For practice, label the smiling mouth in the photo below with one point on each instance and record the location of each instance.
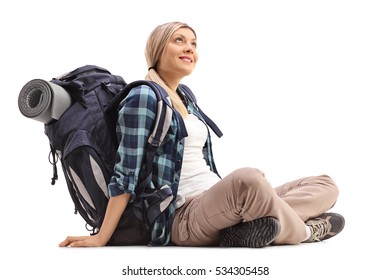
(186, 59)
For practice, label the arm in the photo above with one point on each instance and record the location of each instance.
(116, 206)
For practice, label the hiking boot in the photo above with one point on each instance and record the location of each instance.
(254, 234)
(325, 226)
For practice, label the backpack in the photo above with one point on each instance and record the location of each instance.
(84, 140)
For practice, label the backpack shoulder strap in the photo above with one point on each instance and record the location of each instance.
(190, 95)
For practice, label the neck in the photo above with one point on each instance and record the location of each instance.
(171, 82)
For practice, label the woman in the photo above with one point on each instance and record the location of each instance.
(241, 209)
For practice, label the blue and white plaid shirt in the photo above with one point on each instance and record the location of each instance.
(135, 123)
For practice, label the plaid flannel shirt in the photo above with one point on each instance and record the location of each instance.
(135, 123)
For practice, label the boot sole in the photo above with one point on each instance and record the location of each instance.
(254, 234)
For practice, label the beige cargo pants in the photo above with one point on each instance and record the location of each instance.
(245, 194)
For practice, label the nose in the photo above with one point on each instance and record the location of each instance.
(189, 48)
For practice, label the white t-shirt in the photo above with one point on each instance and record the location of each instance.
(196, 176)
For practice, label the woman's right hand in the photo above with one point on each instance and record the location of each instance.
(116, 206)
(83, 241)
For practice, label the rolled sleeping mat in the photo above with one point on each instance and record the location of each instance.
(43, 101)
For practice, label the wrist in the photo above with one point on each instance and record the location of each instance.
(102, 238)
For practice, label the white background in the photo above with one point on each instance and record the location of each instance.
(298, 88)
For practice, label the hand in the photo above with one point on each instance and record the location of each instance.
(83, 241)
(116, 206)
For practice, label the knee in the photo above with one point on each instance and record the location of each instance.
(328, 183)
(248, 174)
(249, 179)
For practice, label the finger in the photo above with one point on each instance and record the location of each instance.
(81, 243)
(76, 244)
(69, 240)
(64, 243)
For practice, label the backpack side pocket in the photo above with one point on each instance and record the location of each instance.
(87, 178)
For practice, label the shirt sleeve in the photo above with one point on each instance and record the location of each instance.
(136, 118)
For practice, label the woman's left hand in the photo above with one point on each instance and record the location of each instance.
(82, 241)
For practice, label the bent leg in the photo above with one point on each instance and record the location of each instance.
(242, 195)
(309, 196)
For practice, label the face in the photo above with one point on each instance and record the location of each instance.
(179, 57)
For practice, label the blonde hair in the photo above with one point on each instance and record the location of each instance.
(155, 46)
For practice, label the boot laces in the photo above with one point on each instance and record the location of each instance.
(319, 228)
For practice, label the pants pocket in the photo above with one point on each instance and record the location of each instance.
(182, 221)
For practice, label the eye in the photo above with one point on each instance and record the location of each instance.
(179, 40)
(194, 44)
